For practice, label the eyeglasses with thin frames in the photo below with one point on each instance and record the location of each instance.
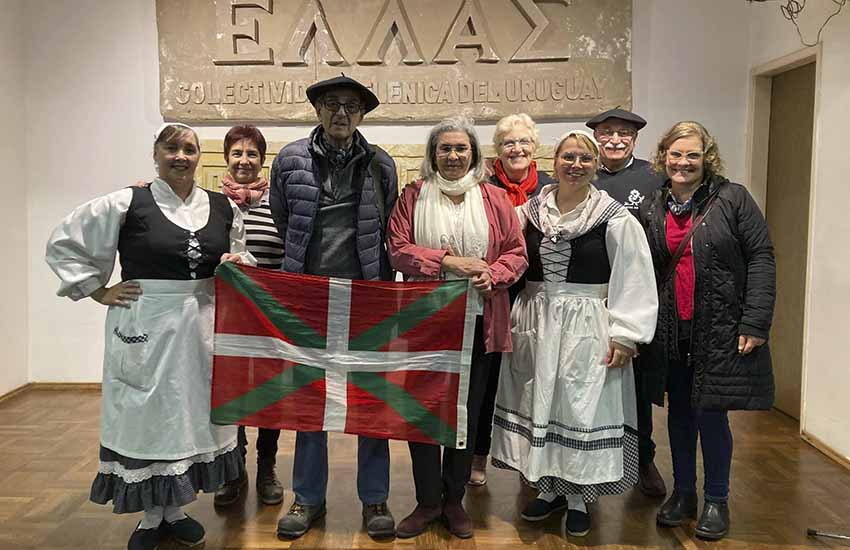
(624, 133)
(691, 157)
(350, 107)
(570, 158)
(459, 150)
(523, 143)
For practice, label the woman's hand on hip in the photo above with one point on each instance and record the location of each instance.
(746, 344)
(483, 283)
(618, 355)
(463, 266)
(234, 258)
(121, 295)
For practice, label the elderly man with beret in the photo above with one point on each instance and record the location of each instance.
(630, 180)
(330, 196)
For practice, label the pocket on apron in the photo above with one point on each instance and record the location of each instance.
(130, 342)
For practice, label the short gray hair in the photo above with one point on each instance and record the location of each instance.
(508, 123)
(462, 123)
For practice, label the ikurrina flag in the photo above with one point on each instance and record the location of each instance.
(380, 359)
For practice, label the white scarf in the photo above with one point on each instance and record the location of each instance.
(457, 187)
(439, 223)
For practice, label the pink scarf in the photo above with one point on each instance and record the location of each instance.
(244, 195)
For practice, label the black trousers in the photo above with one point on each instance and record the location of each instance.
(439, 481)
(484, 431)
(266, 443)
(646, 446)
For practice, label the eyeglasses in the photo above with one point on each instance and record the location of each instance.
(523, 143)
(624, 133)
(350, 108)
(459, 150)
(693, 156)
(570, 158)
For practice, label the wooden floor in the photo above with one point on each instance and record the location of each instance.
(48, 458)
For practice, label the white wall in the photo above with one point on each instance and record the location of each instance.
(826, 408)
(14, 190)
(94, 105)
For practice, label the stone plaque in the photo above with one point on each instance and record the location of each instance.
(251, 60)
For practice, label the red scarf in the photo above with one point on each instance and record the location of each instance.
(244, 195)
(517, 193)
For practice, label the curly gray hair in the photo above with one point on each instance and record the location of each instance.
(428, 170)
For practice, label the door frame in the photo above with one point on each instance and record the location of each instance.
(758, 130)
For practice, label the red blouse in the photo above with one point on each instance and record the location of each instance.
(677, 228)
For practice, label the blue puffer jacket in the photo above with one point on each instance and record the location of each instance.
(296, 186)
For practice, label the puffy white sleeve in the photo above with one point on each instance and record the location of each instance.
(82, 248)
(632, 295)
(523, 217)
(238, 244)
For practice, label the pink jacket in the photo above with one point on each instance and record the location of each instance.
(506, 255)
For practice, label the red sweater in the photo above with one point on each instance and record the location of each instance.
(677, 228)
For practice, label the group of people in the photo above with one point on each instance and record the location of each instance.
(603, 286)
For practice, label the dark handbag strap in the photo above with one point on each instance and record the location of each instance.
(670, 269)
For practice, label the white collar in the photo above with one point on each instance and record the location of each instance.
(605, 168)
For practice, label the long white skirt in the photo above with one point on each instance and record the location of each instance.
(563, 419)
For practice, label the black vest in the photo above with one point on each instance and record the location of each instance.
(153, 247)
(588, 259)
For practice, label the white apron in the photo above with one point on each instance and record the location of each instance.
(571, 405)
(157, 374)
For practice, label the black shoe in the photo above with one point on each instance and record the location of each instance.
(378, 520)
(230, 491)
(299, 519)
(713, 523)
(677, 510)
(538, 509)
(145, 539)
(269, 488)
(577, 523)
(186, 531)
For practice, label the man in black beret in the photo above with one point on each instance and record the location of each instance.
(630, 180)
(330, 197)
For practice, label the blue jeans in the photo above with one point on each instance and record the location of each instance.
(310, 469)
(685, 424)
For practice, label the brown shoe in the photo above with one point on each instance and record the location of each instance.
(460, 525)
(478, 476)
(650, 481)
(417, 521)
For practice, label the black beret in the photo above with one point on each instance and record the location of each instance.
(622, 114)
(314, 91)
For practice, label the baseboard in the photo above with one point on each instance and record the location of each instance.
(78, 386)
(51, 386)
(825, 449)
(17, 391)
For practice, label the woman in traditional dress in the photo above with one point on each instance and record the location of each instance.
(158, 447)
(565, 409)
(245, 185)
(516, 139)
(717, 285)
(451, 224)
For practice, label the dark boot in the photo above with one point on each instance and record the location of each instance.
(230, 492)
(713, 523)
(678, 509)
(417, 521)
(269, 488)
(460, 524)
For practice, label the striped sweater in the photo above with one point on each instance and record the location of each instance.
(262, 236)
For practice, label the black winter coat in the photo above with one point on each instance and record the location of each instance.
(734, 292)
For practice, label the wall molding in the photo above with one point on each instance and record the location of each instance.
(51, 386)
(826, 449)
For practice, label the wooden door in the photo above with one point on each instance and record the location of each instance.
(787, 212)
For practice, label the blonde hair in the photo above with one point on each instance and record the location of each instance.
(712, 163)
(583, 138)
(508, 123)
